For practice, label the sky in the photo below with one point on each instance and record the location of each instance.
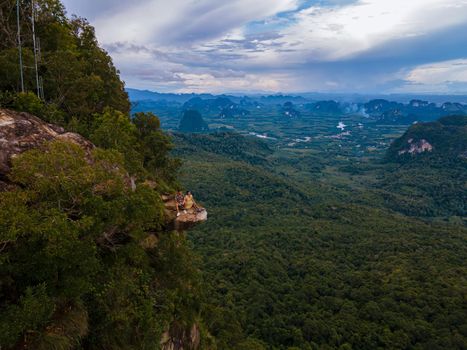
(251, 46)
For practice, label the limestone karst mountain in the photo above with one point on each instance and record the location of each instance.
(192, 121)
(444, 139)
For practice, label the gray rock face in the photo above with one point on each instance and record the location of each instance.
(417, 147)
(179, 338)
(20, 132)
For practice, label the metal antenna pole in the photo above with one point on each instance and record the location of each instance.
(33, 19)
(19, 46)
(41, 81)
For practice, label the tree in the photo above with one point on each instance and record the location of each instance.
(79, 76)
(155, 147)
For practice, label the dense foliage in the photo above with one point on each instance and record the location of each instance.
(77, 266)
(79, 78)
(295, 266)
(142, 142)
(226, 144)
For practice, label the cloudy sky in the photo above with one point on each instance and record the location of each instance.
(363, 46)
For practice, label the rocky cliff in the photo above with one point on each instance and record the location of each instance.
(20, 132)
(180, 338)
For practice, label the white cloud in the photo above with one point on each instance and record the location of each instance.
(248, 82)
(185, 21)
(440, 72)
(436, 77)
(335, 33)
(342, 32)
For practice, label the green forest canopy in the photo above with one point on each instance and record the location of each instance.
(294, 266)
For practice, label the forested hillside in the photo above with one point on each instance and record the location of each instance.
(426, 171)
(446, 139)
(85, 259)
(293, 265)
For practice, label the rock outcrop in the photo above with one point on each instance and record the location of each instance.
(186, 220)
(417, 147)
(20, 132)
(192, 121)
(442, 142)
(179, 338)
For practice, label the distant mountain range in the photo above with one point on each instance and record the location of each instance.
(136, 94)
(382, 110)
(141, 95)
(416, 110)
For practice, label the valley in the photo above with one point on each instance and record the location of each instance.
(316, 239)
(341, 145)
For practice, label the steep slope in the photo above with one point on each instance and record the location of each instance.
(86, 257)
(84, 254)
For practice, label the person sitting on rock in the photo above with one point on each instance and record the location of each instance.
(189, 201)
(179, 202)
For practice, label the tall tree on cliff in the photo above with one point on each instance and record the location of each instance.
(79, 77)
